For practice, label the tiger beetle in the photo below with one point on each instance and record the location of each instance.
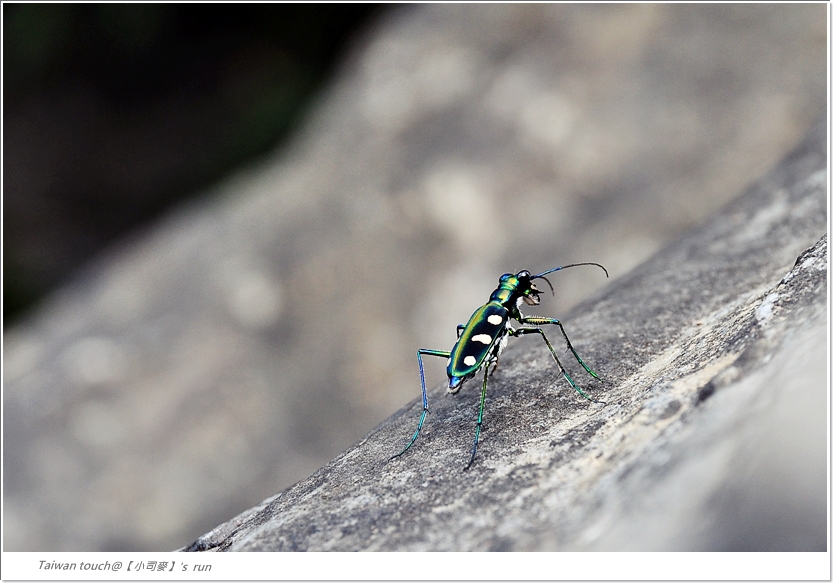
(483, 338)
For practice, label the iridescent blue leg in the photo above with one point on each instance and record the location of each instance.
(520, 331)
(539, 321)
(420, 352)
(479, 417)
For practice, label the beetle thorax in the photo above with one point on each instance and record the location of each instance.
(508, 293)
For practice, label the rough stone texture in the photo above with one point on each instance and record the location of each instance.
(713, 436)
(239, 345)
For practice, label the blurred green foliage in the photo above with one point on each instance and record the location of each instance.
(114, 112)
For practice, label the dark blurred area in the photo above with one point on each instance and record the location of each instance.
(114, 112)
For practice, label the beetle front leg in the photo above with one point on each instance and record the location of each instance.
(420, 352)
(564, 372)
(538, 321)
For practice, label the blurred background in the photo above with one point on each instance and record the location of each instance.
(227, 229)
(115, 113)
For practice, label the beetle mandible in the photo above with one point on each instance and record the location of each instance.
(483, 338)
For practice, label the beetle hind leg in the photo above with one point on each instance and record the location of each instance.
(420, 352)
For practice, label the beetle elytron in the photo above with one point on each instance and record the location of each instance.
(483, 338)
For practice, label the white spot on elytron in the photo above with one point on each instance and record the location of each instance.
(495, 319)
(482, 338)
(469, 360)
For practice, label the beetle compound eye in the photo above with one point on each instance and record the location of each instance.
(523, 274)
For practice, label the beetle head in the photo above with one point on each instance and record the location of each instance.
(528, 292)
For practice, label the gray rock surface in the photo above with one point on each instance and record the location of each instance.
(239, 345)
(713, 436)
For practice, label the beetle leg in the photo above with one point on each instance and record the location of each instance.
(520, 331)
(479, 416)
(536, 320)
(420, 352)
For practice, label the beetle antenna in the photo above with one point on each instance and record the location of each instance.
(542, 274)
(548, 282)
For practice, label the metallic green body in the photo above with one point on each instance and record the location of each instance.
(478, 326)
(481, 340)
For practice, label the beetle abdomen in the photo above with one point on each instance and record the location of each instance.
(482, 330)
